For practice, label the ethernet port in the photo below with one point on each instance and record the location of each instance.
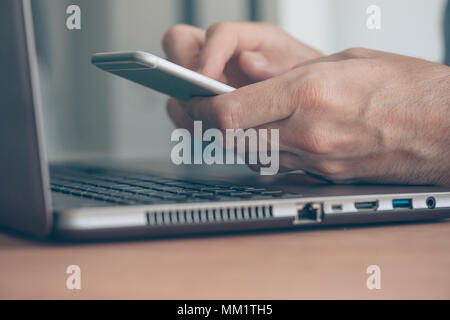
(308, 213)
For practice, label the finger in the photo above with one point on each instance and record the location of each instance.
(287, 162)
(250, 106)
(226, 39)
(290, 162)
(182, 45)
(178, 115)
(317, 139)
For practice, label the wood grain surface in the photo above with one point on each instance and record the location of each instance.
(325, 264)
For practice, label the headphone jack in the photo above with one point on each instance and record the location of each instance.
(431, 202)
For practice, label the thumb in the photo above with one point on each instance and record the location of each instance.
(260, 66)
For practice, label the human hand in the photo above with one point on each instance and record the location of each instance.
(356, 116)
(236, 53)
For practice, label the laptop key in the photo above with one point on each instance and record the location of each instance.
(241, 194)
(255, 190)
(240, 188)
(272, 192)
(203, 195)
(211, 189)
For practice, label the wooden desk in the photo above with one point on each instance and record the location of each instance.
(331, 263)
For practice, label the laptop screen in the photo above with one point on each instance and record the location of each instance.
(87, 112)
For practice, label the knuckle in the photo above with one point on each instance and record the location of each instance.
(356, 52)
(314, 92)
(331, 169)
(266, 25)
(172, 35)
(316, 141)
(228, 116)
(219, 27)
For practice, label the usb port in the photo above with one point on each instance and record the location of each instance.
(336, 207)
(402, 204)
(366, 205)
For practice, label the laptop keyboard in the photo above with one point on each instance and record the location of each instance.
(124, 188)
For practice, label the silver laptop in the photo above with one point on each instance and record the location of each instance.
(116, 200)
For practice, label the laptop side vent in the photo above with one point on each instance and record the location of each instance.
(208, 215)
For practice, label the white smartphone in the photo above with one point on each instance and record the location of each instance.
(159, 74)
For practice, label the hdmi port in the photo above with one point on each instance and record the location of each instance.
(366, 206)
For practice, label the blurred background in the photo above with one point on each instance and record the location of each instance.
(89, 113)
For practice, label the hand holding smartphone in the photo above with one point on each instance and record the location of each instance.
(159, 74)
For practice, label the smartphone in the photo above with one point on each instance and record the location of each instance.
(159, 74)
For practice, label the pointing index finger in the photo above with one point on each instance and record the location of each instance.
(223, 41)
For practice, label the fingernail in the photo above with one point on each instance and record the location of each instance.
(258, 60)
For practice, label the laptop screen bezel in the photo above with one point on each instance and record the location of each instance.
(24, 186)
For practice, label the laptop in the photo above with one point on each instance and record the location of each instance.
(111, 200)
